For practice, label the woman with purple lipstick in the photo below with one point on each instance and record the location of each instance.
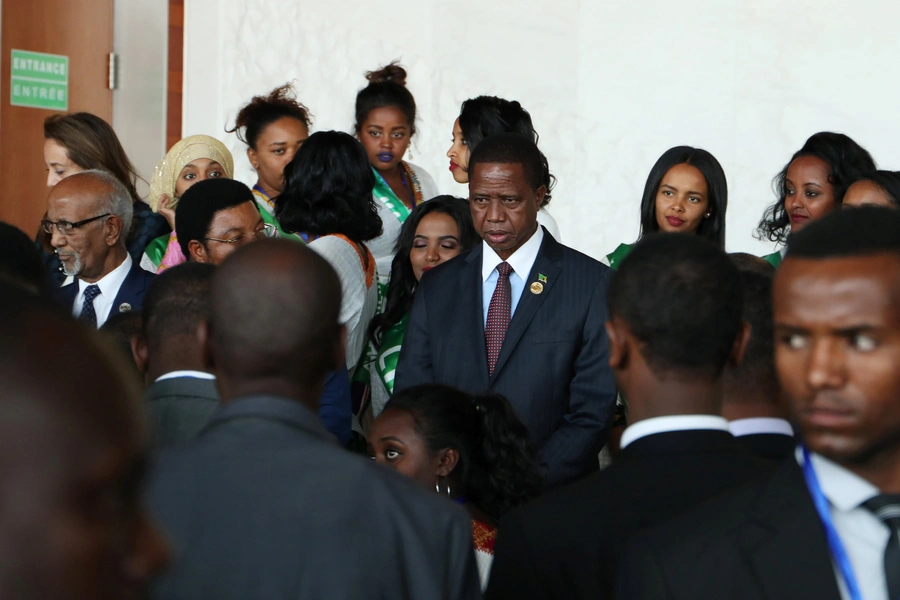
(385, 124)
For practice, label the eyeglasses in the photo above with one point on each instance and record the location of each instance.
(268, 231)
(64, 227)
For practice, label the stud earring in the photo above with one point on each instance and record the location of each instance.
(707, 215)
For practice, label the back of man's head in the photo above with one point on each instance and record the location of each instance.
(852, 232)
(200, 203)
(507, 149)
(680, 297)
(754, 381)
(20, 261)
(275, 311)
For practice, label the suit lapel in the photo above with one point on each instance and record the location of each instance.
(546, 263)
(786, 544)
(132, 288)
(471, 289)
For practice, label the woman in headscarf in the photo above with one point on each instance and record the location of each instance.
(193, 159)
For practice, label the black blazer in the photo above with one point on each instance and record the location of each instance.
(179, 408)
(554, 364)
(567, 544)
(130, 295)
(774, 446)
(762, 542)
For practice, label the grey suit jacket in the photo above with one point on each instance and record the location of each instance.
(264, 504)
(179, 408)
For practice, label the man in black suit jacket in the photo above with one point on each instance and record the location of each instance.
(548, 349)
(675, 322)
(264, 504)
(837, 346)
(753, 404)
(88, 216)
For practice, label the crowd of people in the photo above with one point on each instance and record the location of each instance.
(352, 386)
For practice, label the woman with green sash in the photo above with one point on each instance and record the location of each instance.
(686, 192)
(811, 185)
(385, 125)
(435, 232)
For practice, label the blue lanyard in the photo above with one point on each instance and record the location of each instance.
(838, 553)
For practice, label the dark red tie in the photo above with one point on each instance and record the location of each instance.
(498, 316)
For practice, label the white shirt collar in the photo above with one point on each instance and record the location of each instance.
(110, 283)
(671, 423)
(191, 374)
(521, 260)
(844, 489)
(758, 425)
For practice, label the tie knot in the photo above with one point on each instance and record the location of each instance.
(504, 269)
(91, 292)
(886, 507)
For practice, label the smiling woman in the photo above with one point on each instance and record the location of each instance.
(686, 192)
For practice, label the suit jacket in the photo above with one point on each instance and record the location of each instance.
(264, 504)
(130, 295)
(774, 446)
(762, 542)
(179, 408)
(567, 544)
(553, 366)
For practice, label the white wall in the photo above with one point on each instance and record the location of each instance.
(140, 39)
(610, 85)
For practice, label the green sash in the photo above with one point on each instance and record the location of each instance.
(774, 259)
(389, 354)
(156, 249)
(618, 255)
(383, 192)
(266, 205)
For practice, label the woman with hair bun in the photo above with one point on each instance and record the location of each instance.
(385, 125)
(811, 185)
(470, 448)
(686, 192)
(274, 127)
(485, 116)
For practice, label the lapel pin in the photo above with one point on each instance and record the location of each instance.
(542, 278)
(124, 307)
(537, 287)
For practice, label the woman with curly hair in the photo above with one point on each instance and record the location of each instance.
(811, 185)
(327, 199)
(471, 448)
(274, 127)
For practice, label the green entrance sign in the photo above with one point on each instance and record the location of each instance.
(39, 80)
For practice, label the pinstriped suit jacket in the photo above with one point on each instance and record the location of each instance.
(554, 363)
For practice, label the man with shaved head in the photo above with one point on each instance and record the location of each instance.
(72, 525)
(264, 504)
(88, 217)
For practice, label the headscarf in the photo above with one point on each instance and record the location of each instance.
(166, 173)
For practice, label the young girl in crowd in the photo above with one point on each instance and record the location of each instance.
(273, 127)
(193, 159)
(878, 188)
(327, 197)
(82, 141)
(385, 125)
(488, 115)
(811, 185)
(435, 232)
(473, 449)
(686, 192)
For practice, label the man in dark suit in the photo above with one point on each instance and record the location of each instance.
(753, 406)
(264, 504)
(88, 216)
(675, 322)
(837, 347)
(521, 315)
(72, 456)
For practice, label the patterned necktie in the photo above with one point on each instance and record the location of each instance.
(88, 316)
(887, 508)
(498, 316)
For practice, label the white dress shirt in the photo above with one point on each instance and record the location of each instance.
(522, 260)
(760, 425)
(109, 288)
(863, 535)
(655, 425)
(186, 373)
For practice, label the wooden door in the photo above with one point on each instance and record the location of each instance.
(83, 31)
